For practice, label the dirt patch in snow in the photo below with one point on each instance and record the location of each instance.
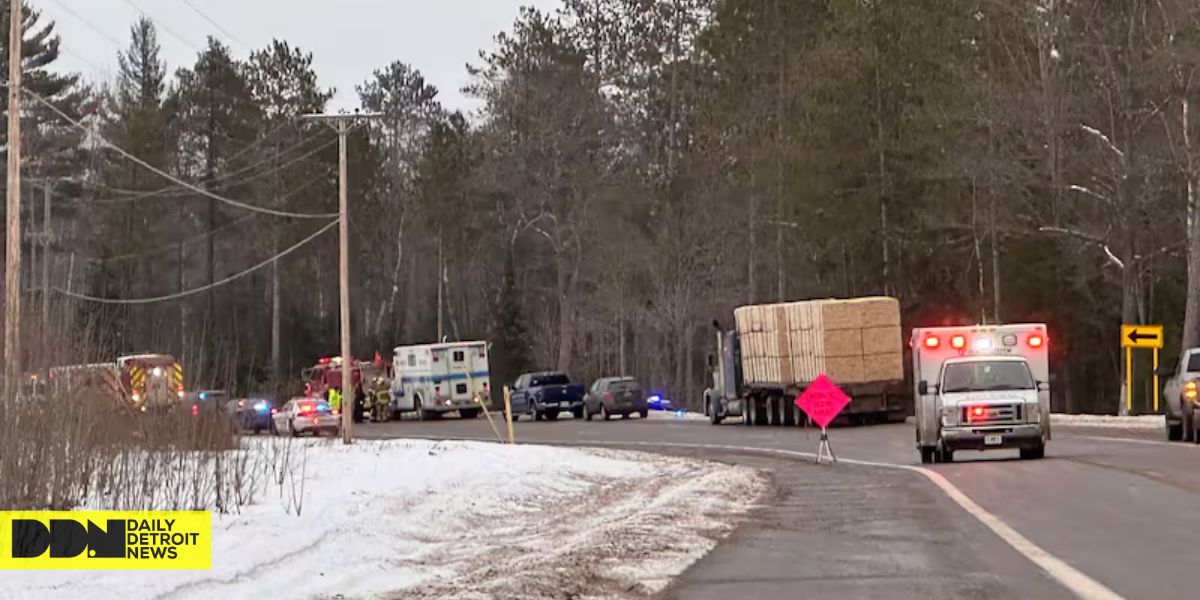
(620, 539)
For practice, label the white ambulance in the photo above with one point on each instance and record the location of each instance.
(434, 379)
(981, 387)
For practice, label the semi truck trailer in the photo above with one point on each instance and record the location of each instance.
(774, 351)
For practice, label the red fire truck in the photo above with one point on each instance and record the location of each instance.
(327, 375)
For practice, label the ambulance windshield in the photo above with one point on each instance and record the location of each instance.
(986, 376)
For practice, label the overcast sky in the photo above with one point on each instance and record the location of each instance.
(349, 39)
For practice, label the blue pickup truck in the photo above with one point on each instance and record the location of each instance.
(544, 395)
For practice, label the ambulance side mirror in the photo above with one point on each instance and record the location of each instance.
(1043, 386)
(924, 389)
(1165, 371)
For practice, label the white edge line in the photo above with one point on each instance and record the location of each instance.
(1069, 577)
(1104, 438)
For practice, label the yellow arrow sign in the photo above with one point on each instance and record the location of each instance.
(1141, 336)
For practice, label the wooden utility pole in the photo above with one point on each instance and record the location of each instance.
(46, 264)
(343, 123)
(12, 263)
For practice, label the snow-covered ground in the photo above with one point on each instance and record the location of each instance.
(1110, 421)
(462, 520)
(664, 415)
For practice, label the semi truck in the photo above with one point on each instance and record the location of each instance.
(775, 351)
(981, 387)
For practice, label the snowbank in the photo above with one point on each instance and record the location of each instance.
(1109, 421)
(425, 519)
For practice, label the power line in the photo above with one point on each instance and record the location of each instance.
(89, 24)
(203, 288)
(169, 31)
(214, 23)
(202, 236)
(165, 175)
(138, 194)
(128, 195)
(171, 247)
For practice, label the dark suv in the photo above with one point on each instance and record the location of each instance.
(615, 396)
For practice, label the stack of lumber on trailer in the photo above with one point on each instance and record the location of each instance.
(851, 341)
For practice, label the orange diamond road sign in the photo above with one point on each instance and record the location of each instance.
(822, 401)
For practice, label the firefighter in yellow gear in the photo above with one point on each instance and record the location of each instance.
(381, 410)
(335, 399)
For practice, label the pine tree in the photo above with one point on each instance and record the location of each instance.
(135, 228)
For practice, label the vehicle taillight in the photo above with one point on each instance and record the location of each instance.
(336, 411)
(1036, 341)
(195, 410)
(1190, 390)
(932, 341)
(608, 396)
(241, 404)
(958, 342)
(978, 411)
(274, 411)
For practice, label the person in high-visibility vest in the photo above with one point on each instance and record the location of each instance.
(335, 399)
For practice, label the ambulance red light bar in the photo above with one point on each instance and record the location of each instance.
(1037, 340)
(932, 341)
(958, 342)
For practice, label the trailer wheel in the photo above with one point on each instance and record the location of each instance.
(761, 417)
(926, 455)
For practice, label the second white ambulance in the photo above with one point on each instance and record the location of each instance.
(980, 388)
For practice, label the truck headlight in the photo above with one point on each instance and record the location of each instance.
(949, 416)
(1033, 413)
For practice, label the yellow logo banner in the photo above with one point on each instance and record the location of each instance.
(106, 540)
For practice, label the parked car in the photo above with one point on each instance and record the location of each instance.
(207, 402)
(307, 415)
(253, 414)
(544, 395)
(610, 396)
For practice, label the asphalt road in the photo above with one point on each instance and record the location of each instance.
(1119, 508)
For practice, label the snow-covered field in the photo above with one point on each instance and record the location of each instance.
(1110, 421)
(461, 520)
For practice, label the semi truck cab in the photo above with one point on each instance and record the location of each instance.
(725, 368)
(981, 388)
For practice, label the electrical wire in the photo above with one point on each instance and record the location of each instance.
(169, 31)
(170, 247)
(205, 235)
(165, 175)
(214, 23)
(89, 24)
(120, 48)
(127, 195)
(203, 288)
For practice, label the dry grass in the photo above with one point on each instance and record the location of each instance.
(79, 448)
